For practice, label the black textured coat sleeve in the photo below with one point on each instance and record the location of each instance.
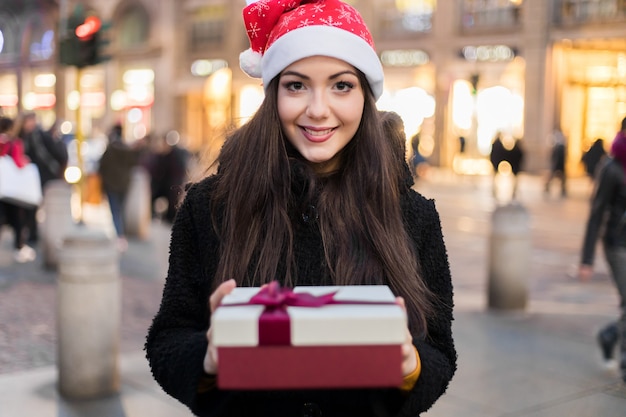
(437, 352)
(176, 343)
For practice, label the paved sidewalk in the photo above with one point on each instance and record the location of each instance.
(539, 362)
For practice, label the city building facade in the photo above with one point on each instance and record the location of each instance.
(453, 68)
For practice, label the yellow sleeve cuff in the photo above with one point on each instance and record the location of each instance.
(408, 381)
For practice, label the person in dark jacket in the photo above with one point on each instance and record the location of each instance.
(608, 214)
(308, 192)
(115, 168)
(168, 172)
(497, 154)
(558, 156)
(418, 164)
(593, 156)
(50, 155)
(516, 159)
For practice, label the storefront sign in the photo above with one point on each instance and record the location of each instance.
(488, 53)
(404, 58)
(206, 67)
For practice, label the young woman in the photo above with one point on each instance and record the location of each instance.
(308, 192)
(15, 215)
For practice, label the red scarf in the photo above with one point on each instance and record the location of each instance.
(15, 149)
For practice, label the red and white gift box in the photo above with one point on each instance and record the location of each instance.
(311, 337)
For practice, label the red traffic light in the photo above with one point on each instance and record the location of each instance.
(86, 30)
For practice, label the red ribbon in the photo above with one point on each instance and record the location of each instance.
(274, 322)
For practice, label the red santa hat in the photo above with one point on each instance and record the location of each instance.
(282, 32)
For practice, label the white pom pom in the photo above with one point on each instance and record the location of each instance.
(250, 63)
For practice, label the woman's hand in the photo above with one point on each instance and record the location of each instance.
(409, 360)
(210, 359)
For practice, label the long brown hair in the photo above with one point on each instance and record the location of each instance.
(359, 215)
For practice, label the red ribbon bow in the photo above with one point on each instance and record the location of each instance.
(273, 296)
(274, 323)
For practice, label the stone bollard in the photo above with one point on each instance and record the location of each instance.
(89, 315)
(509, 257)
(138, 210)
(58, 220)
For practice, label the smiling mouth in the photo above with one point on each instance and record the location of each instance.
(318, 132)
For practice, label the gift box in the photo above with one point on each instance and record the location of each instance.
(309, 337)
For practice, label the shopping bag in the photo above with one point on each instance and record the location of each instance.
(20, 186)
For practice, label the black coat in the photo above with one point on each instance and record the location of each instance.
(48, 154)
(592, 158)
(557, 157)
(606, 214)
(116, 165)
(176, 342)
(497, 154)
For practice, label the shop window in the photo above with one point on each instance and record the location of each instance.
(134, 28)
(208, 25)
(589, 11)
(34, 31)
(490, 13)
(399, 18)
(207, 33)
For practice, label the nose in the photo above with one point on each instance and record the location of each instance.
(318, 106)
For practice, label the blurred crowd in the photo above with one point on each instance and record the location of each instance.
(162, 157)
(26, 143)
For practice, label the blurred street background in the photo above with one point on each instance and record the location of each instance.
(538, 361)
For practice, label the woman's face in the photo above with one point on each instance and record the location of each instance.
(320, 105)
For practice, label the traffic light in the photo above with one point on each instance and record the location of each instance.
(87, 34)
(69, 51)
(84, 40)
(101, 41)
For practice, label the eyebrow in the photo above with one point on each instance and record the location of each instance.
(306, 77)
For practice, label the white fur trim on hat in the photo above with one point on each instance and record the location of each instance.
(328, 41)
(250, 63)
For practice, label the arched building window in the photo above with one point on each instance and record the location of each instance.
(10, 34)
(208, 26)
(406, 18)
(490, 14)
(133, 27)
(41, 44)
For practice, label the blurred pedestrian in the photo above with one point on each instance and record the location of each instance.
(14, 214)
(419, 164)
(592, 157)
(49, 153)
(394, 128)
(115, 168)
(307, 192)
(557, 163)
(496, 156)
(516, 159)
(462, 145)
(607, 216)
(168, 172)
